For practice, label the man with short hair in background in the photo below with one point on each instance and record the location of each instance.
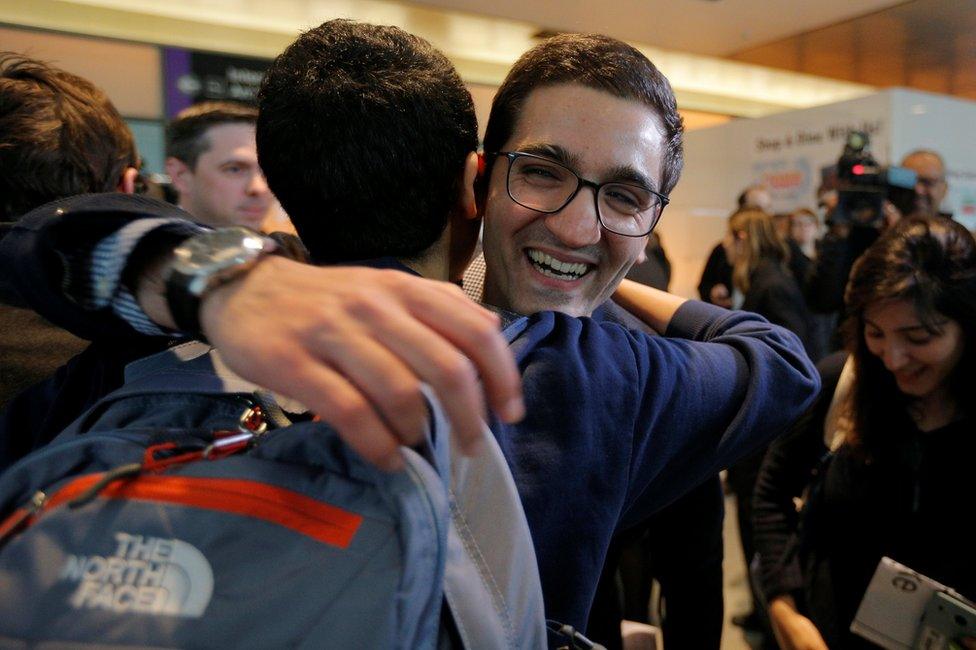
(212, 161)
(930, 184)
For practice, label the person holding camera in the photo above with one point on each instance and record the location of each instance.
(930, 182)
(870, 199)
(902, 439)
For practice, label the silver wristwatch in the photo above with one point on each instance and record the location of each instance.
(206, 261)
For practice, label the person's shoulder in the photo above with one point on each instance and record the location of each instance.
(103, 204)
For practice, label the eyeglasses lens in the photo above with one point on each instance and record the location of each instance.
(546, 186)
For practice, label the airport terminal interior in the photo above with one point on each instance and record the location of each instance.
(799, 119)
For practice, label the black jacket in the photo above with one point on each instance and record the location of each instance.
(775, 294)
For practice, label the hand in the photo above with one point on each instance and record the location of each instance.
(793, 630)
(353, 345)
(652, 306)
(719, 295)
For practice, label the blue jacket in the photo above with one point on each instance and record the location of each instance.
(619, 423)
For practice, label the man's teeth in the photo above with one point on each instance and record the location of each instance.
(554, 268)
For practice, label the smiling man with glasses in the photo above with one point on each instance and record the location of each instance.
(571, 194)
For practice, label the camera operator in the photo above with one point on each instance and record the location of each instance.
(870, 198)
(930, 183)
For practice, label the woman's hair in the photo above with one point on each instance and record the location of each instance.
(760, 241)
(930, 262)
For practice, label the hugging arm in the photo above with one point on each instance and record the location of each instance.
(352, 344)
(716, 388)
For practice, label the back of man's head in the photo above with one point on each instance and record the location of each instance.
(598, 62)
(363, 132)
(59, 136)
(755, 197)
(186, 134)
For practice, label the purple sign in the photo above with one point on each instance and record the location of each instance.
(192, 76)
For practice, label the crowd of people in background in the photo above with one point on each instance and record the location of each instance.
(795, 268)
(886, 308)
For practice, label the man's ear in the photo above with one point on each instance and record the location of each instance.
(466, 205)
(178, 172)
(127, 184)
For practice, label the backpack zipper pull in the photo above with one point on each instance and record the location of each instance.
(20, 517)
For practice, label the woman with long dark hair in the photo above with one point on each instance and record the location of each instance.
(899, 479)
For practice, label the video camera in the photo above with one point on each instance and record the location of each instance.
(863, 185)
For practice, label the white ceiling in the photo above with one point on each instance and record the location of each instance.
(710, 27)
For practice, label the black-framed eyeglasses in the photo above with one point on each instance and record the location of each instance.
(546, 186)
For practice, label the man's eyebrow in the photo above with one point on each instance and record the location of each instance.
(551, 151)
(627, 174)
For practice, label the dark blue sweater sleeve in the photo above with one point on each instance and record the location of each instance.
(667, 411)
(728, 386)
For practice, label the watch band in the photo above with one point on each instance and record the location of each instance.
(184, 307)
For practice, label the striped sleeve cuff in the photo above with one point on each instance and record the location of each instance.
(108, 261)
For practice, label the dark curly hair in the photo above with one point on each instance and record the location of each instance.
(362, 133)
(930, 262)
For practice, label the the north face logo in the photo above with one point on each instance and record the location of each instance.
(145, 575)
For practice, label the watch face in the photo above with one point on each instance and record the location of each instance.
(219, 249)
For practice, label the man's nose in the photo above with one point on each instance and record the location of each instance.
(576, 225)
(258, 184)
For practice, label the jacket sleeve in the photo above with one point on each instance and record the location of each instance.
(67, 259)
(717, 387)
(785, 473)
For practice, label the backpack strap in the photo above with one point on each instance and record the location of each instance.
(187, 370)
(491, 581)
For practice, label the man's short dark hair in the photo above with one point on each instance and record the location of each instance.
(186, 134)
(362, 134)
(59, 136)
(597, 62)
